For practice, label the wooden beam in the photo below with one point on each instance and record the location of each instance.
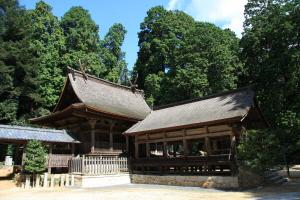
(189, 137)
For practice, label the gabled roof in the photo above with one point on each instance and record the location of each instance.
(20, 133)
(101, 95)
(230, 106)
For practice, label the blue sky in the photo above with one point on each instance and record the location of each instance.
(224, 13)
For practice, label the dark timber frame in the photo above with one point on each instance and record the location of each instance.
(211, 162)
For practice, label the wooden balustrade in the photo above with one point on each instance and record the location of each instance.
(204, 165)
(98, 165)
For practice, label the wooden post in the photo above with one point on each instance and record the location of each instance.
(165, 149)
(83, 164)
(16, 154)
(62, 180)
(111, 137)
(207, 146)
(185, 144)
(148, 150)
(67, 180)
(45, 180)
(185, 147)
(72, 180)
(147, 147)
(136, 152)
(52, 181)
(127, 144)
(37, 181)
(27, 181)
(49, 158)
(92, 124)
(73, 149)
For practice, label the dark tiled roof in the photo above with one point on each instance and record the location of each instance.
(8, 132)
(109, 97)
(218, 107)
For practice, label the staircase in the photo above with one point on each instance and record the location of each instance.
(272, 177)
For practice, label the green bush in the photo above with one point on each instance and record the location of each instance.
(259, 150)
(35, 161)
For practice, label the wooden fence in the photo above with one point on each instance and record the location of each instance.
(98, 165)
(58, 160)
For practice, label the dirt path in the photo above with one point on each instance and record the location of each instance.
(149, 192)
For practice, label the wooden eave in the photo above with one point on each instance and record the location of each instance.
(79, 110)
(187, 126)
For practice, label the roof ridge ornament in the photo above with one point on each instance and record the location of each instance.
(133, 86)
(72, 71)
(83, 69)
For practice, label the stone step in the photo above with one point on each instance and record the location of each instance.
(272, 177)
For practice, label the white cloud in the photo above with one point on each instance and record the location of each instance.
(174, 4)
(224, 13)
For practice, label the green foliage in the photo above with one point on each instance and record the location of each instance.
(270, 48)
(18, 85)
(82, 41)
(10, 150)
(48, 43)
(35, 161)
(112, 55)
(259, 150)
(192, 58)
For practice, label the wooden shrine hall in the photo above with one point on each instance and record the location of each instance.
(195, 136)
(96, 112)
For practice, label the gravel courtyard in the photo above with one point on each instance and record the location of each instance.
(147, 192)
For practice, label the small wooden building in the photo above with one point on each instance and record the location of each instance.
(195, 136)
(59, 143)
(97, 112)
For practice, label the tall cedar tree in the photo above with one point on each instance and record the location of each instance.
(270, 48)
(47, 40)
(18, 85)
(112, 55)
(180, 58)
(82, 41)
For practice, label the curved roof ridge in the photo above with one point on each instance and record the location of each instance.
(70, 70)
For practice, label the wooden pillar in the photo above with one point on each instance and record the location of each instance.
(136, 150)
(111, 137)
(148, 150)
(73, 149)
(127, 144)
(165, 149)
(16, 154)
(185, 144)
(185, 147)
(92, 124)
(207, 146)
(148, 147)
(49, 157)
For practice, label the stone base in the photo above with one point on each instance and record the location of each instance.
(86, 181)
(223, 182)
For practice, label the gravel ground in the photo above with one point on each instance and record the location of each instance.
(147, 192)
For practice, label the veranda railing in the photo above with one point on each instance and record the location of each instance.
(98, 165)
